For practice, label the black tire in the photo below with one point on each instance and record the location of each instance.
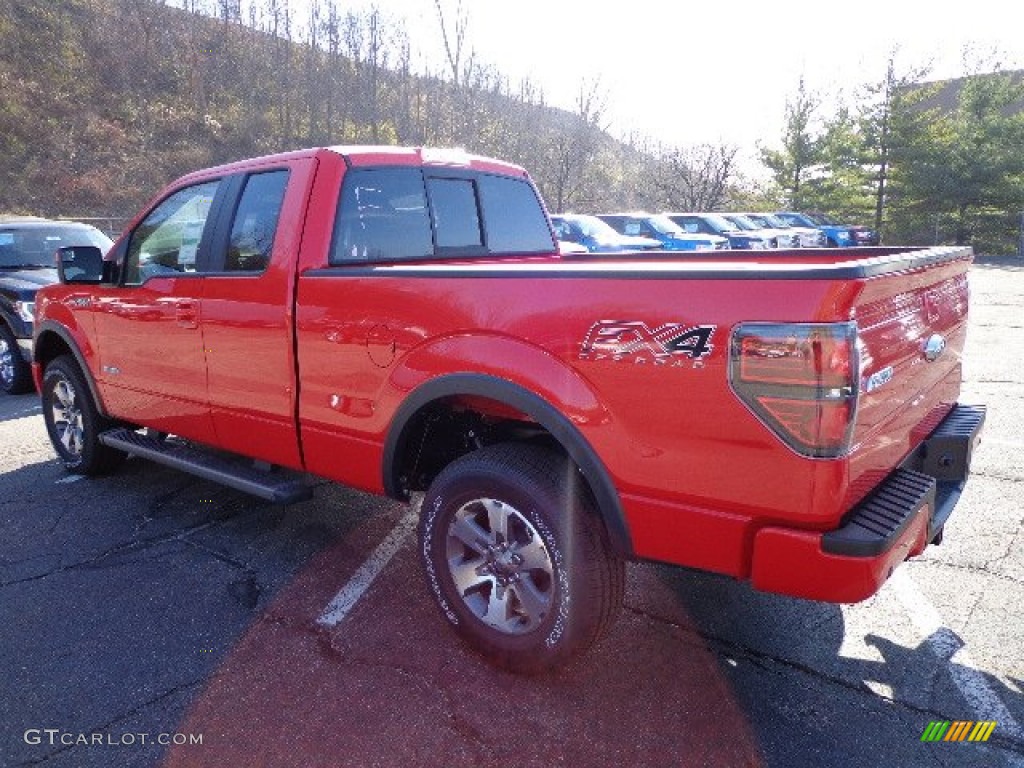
(73, 422)
(15, 373)
(544, 590)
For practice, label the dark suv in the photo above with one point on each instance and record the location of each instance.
(27, 246)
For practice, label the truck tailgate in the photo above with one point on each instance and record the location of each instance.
(912, 328)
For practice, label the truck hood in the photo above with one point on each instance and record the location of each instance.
(25, 282)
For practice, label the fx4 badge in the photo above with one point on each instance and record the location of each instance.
(634, 341)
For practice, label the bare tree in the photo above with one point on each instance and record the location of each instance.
(695, 178)
(574, 149)
(312, 76)
(454, 38)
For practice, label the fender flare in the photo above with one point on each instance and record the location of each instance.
(51, 327)
(540, 410)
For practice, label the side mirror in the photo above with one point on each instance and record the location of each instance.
(80, 264)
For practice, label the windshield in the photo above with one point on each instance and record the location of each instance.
(821, 218)
(797, 219)
(719, 223)
(742, 222)
(665, 226)
(591, 226)
(768, 221)
(35, 246)
(775, 221)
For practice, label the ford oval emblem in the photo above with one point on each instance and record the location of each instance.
(934, 347)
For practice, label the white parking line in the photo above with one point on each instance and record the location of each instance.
(361, 580)
(947, 646)
(69, 479)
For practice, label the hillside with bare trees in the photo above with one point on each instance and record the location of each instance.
(104, 101)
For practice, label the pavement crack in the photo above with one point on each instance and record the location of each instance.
(725, 648)
(985, 569)
(998, 476)
(131, 546)
(223, 557)
(1005, 555)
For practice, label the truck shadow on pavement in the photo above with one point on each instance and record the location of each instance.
(843, 666)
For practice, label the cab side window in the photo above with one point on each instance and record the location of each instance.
(255, 224)
(167, 241)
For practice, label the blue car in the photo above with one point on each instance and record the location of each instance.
(660, 227)
(861, 235)
(596, 236)
(836, 235)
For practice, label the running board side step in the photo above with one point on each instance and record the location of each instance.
(279, 486)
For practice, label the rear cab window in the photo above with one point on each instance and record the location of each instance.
(402, 214)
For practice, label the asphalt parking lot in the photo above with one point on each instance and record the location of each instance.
(149, 618)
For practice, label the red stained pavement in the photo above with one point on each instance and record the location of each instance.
(392, 686)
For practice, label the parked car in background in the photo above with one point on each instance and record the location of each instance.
(671, 236)
(777, 238)
(27, 247)
(716, 224)
(806, 237)
(596, 236)
(836, 235)
(861, 235)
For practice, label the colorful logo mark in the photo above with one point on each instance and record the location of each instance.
(958, 730)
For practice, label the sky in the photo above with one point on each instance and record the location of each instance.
(715, 71)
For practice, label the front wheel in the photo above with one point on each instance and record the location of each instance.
(516, 557)
(15, 373)
(73, 422)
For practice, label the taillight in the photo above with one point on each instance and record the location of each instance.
(800, 380)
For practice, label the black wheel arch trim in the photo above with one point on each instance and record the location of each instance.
(49, 326)
(501, 390)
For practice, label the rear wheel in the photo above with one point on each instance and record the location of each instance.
(517, 559)
(73, 422)
(15, 373)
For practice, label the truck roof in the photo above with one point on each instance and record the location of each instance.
(369, 154)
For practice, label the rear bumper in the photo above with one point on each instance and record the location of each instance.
(895, 521)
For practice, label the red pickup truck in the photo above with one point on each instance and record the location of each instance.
(400, 320)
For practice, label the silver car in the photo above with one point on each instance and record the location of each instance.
(806, 237)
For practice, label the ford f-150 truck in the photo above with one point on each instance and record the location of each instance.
(400, 320)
